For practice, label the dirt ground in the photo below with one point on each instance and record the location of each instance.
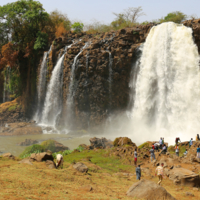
(23, 181)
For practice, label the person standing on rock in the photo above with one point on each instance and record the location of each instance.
(135, 157)
(197, 137)
(198, 152)
(152, 154)
(177, 140)
(190, 143)
(159, 172)
(138, 172)
(177, 150)
(160, 142)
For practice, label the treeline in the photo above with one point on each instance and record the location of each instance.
(26, 30)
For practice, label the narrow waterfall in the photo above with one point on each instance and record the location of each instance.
(53, 101)
(167, 95)
(41, 89)
(110, 78)
(70, 95)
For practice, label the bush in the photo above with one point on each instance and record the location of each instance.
(48, 145)
(146, 145)
(78, 27)
(36, 148)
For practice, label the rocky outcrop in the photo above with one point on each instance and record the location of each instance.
(181, 176)
(148, 190)
(21, 128)
(28, 142)
(80, 167)
(122, 141)
(39, 157)
(101, 143)
(8, 155)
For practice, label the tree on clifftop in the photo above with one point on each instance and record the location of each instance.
(176, 17)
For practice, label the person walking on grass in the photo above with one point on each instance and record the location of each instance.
(159, 173)
(191, 142)
(135, 157)
(198, 152)
(138, 172)
(152, 154)
(177, 150)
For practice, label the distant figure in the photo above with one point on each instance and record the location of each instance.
(135, 157)
(59, 160)
(153, 147)
(152, 154)
(177, 139)
(138, 172)
(160, 142)
(163, 141)
(197, 137)
(198, 152)
(156, 145)
(191, 142)
(185, 153)
(177, 150)
(159, 172)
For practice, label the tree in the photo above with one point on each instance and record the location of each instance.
(176, 17)
(77, 26)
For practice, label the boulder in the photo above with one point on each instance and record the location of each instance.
(8, 155)
(28, 142)
(26, 161)
(80, 167)
(39, 157)
(102, 143)
(184, 176)
(121, 141)
(86, 188)
(148, 190)
(50, 164)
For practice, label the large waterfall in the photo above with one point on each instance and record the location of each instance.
(167, 96)
(53, 101)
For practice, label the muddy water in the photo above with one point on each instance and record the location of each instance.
(10, 143)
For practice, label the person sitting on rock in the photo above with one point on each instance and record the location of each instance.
(191, 142)
(59, 160)
(198, 152)
(177, 150)
(138, 172)
(152, 154)
(135, 157)
(159, 172)
(185, 153)
(164, 149)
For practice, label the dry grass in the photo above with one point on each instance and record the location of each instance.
(22, 181)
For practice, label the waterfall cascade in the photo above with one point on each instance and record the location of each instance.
(42, 85)
(53, 101)
(167, 95)
(6, 90)
(110, 76)
(70, 95)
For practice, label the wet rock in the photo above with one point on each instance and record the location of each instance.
(80, 167)
(147, 190)
(101, 143)
(28, 142)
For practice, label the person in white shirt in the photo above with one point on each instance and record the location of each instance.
(135, 157)
(177, 150)
(161, 143)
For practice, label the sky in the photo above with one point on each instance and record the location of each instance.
(88, 11)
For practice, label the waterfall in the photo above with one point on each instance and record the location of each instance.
(53, 101)
(110, 78)
(167, 95)
(42, 85)
(70, 96)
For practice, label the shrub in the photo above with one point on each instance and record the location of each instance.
(48, 145)
(144, 145)
(36, 148)
(78, 27)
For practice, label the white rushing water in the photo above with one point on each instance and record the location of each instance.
(41, 89)
(53, 101)
(167, 96)
(70, 96)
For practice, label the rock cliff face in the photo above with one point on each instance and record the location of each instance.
(102, 72)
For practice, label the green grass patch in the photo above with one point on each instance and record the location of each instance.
(100, 158)
(12, 108)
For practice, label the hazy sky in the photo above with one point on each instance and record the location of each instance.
(101, 10)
